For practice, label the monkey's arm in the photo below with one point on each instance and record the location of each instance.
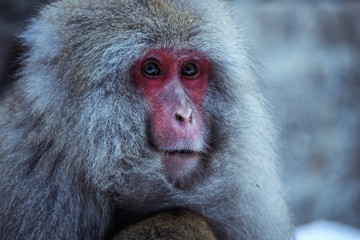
(174, 224)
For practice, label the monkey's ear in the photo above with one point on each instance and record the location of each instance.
(174, 224)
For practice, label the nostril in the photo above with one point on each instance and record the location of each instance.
(184, 117)
(179, 118)
(190, 118)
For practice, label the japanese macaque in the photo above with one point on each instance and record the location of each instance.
(123, 109)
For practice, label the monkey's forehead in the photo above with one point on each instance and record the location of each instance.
(132, 25)
(100, 40)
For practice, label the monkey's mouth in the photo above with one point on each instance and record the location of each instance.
(180, 152)
(179, 163)
(185, 152)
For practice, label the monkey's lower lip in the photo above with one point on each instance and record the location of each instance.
(180, 163)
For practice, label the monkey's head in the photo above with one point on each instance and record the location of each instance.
(136, 90)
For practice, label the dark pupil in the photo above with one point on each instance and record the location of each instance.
(190, 69)
(151, 69)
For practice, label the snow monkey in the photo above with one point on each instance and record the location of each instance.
(126, 108)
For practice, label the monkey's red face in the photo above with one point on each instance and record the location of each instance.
(174, 85)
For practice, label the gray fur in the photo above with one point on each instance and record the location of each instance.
(74, 146)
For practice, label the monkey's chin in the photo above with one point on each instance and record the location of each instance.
(180, 164)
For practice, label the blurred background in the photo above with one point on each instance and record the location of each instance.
(310, 52)
(311, 56)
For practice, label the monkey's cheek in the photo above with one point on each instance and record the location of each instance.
(180, 165)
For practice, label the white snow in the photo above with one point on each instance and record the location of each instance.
(326, 230)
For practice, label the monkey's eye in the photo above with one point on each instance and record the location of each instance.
(190, 69)
(151, 69)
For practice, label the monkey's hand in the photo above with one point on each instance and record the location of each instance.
(174, 224)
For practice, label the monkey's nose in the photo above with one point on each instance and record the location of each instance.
(184, 118)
